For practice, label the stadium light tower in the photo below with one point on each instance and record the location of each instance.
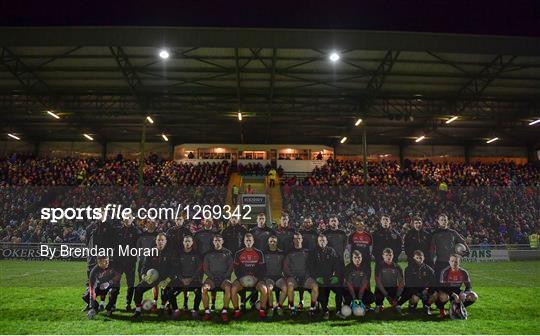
(334, 57)
(164, 54)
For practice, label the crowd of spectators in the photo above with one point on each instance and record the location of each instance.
(487, 203)
(257, 169)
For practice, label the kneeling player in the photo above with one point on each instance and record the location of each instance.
(389, 280)
(103, 280)
(297, 272)
(452, 278)
(274, 276)
(357, 278)
(187, 277)
(218, 267)
(419, 284)
(249, 267)
(162, 264)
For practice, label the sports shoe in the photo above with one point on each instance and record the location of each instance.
(154, 308)
(278, 311)
(293, 312)
(411, 309)
(136, 316)
(301, 305)
(262, 313)
(311, 311)
(427, 310)
(101, 307)
(175, 314)
(91, 313)
(378, 309)
(194, 314)
(326, 315)
(340, 315)
(109, 312)
(213, 307)
(442, 312)
(398, 309)
(236, 314)
(128, 307)
(207, 316)
(224, 316)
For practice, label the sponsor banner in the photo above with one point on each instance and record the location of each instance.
(254, 199)
(32, 252)
(486, 255)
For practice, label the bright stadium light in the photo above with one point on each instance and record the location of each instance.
(534, 122)
(87, 136)
(451, 120)
(164, 54)
(492, 140)
(52, 114)
(420, 138)
(13, 136)
(334, 57)
(164, 137)
(149, 119)
(358, 122)
(239, 116)
(343, 139)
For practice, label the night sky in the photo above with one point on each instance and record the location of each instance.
(516, 17)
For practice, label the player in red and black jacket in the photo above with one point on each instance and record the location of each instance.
(420, 284)
(361, 241)
(357, 281)
(389, 280)
(250, 270)
(187, 276)
(451, 280)
(103, 280)
(162, 263)
(128, 234)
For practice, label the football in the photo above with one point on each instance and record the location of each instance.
(248, 281)
(460, 248)
(359, 311)
(147, 305)
(346, 310)
(152, 275)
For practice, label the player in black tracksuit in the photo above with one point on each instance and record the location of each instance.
(128, 234)
(261, 233)
(204, 237)
(284, 234)
(161, 263)
(309, 234)
(337, 239)
(443, 244)
(420, 284)
(103, 280)
(147, 239)
(175, 241)
(386, 237)
(389, 280)
(417, 239)
(326, 270)
(357, 281)
(187, 276)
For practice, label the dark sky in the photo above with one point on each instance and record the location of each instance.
(516, 17)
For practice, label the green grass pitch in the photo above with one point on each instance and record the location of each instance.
(44, 298)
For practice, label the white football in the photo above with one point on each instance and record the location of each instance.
(147, 305)
(460, 248)
(359, 311)
(248, 281)
(346, 311)
(152, 275)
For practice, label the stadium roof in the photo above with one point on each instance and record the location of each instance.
(104, 81)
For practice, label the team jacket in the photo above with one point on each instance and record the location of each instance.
(443, 242)
(261, 236)
(388, 275)
(309, 239)
(99, 276)
(296, 263)
(175, 238)
(163, 263)
(204, 240)
(454, 279)
(337, 239)
(274, 264)
(249, 262)
(386, 238)
(417, 240)
(357, 277)
(362, 242)
(325, 263)
(233, 237)
(285, 238)
(188, 265)
(421, 276)
(218, 264)
(127, 235)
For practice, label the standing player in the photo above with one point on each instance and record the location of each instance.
(205, 236)
(175, 239)
(262, 232)
(218, 267)
(309, 234)
(357, 278)
(337, 239)
(443, 244)
(389, 280)
(233, 240)
(420, 284)
(284, 234)
(187, 276)
(326, 269)
(147, 239)
(128, 235)
(361, 241)
(386, 237)
(274, 276)
(451, 280)
(296, 271)
(417, 239)
(250, 269)
(103, 280)
(162, 264)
